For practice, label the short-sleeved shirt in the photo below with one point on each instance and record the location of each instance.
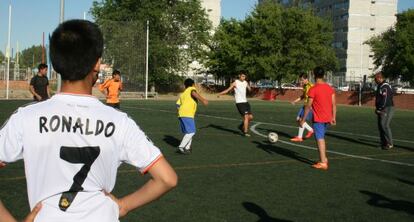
(187, 105)
(70, 135)
(113, 88)
(321, 93)
(40, 83)
(306, 88)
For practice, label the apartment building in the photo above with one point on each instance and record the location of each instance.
(354, 22)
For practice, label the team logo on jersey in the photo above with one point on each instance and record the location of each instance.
(64, 202)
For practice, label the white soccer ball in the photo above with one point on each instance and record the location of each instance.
(272, 137)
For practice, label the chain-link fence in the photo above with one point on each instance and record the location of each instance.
(125, 50)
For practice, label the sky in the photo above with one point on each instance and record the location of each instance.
(31, 18)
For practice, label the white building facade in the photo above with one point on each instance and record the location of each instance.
(354, 22)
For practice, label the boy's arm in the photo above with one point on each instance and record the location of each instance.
(228, 89)
(5, 215)
(333, 122)
(32, 91)
(199, 97)
(104, 86)
(163, 179)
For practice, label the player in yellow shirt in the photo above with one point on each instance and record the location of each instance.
(306, 86)
(187, 107)
(111, 89)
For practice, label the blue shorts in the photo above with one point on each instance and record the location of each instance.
(320, 130)
(302, 111)
(187, 125)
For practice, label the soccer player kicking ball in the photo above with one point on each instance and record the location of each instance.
(73, 144)
(240, 87)
(187, 107)
(306, 86)
(322, 102)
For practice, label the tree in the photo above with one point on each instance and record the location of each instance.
(31, 57)
(274, 42)
(179, 33)
(2, 58)
(394, 49)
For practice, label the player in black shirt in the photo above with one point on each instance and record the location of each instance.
(384, 108)
(39, 84)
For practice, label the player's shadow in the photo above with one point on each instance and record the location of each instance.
(379, 200)
(406, 182)
(273, 148)
(171, 140)
(261, 213)
(354, 140)
(225, 129)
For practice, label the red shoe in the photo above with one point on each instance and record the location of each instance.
(320, 166)
(309, 134)
(296, 139)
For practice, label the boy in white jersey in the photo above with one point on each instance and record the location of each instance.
(240, 87)
(73, 144)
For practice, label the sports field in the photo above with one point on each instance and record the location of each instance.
(238, 179)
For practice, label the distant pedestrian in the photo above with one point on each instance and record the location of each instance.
(384, 108)
(323, 103)
(39, 84)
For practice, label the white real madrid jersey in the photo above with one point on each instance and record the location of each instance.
(240, 91)
(72, 146)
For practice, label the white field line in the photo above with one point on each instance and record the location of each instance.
(275, 124)
(253, 129)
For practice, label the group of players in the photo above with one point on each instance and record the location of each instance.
(70, 170)
(319, 107)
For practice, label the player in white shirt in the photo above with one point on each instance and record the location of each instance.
(73, 144)
(240, 87)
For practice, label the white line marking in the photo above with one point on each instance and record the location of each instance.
(273, 124)
(253, 129)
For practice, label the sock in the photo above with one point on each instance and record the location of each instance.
(307, 127)
(186, 141)
(300, 133)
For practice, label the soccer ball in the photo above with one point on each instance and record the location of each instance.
(272, 137)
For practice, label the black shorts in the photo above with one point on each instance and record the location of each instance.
(243, 108)
(115, 105)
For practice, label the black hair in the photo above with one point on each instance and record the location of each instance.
(41, 66)
(75, 47)
(319, 72)
(303, 75)
(242, 72)
(188, 83)
(116, 72)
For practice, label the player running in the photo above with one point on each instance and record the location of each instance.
(187, 107)
(304, 81)
(240, 87)
(73, 144)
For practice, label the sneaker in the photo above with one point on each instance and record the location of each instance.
(388, 147)
(309, 134)
(246, 134)
(320, 166)
(184, 151)
(296, 139)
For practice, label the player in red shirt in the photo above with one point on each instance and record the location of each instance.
(322, 100)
